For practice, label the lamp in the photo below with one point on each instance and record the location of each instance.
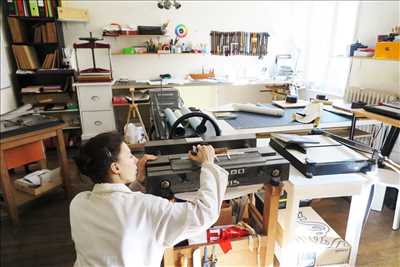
(167, 4)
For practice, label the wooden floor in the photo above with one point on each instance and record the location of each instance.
(43, 238)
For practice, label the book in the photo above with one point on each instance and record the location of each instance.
(34, 9)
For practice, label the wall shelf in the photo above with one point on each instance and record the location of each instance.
(48, 72)
(157, 54)
(32, 18)
(58, 111)
(374, 58)
(138, 36)
(69, 128)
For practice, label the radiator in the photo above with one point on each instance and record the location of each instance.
(371, 96)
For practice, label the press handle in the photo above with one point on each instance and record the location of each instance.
(95, 98)
(98, 123)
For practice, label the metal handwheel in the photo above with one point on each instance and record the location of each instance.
(200, 129)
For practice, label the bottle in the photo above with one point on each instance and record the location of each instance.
(131, 135)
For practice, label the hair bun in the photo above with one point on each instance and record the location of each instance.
(83, 161)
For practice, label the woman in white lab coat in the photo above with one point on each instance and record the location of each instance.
(114, 226)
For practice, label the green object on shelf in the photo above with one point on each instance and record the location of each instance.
(128, 51)
(72, 105)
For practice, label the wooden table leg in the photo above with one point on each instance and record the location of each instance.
(8, 189)
(63, 161)
(169, 259)
(270, 219)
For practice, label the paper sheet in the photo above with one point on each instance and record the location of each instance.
(312, 112)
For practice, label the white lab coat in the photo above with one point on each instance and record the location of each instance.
(113, 226)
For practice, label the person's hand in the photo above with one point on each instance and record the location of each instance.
(141, 165)
(205, 154)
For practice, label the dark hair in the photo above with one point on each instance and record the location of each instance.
(96, 156)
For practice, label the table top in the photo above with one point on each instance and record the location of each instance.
(33, 131)
(228, 129)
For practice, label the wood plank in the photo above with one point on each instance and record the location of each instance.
(385, 119)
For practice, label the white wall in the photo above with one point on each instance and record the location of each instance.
(7, 95)
(376, 17)
(200, 17)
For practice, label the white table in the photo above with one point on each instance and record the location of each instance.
(355, 185)
(298, 187)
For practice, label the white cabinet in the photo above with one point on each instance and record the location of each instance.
(95, 107)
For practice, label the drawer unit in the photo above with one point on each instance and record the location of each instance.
(95, 98)
(95, 122)
(95, 107)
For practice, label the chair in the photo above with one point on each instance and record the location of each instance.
(388, 178)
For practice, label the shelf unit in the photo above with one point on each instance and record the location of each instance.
(27, 31)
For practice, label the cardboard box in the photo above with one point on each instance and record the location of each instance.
(36, 191)
(316, 242)
(225, 216)
(387, 50)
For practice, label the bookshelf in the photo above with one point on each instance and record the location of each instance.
(35, 45)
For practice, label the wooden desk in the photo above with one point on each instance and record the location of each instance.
(14, 198)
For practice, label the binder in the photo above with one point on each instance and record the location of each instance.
(20, 7)
(26, 8)
(49, 8)
(11, 7)
(33, 4)
(41, 8)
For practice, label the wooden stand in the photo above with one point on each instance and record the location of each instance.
(244, 252)
(132, 113)
(14, 198)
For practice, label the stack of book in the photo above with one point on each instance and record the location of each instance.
(45, 33)
(25, 57)
(52, 60)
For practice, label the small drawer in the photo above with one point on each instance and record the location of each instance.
(95, 122)
(95, 98)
